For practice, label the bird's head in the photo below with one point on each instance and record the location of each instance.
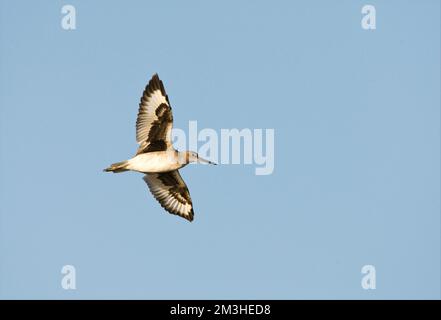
(191, 156)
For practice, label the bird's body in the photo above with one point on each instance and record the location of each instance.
(156, 157)
(155, 162)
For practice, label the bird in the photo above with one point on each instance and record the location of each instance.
(156, 157)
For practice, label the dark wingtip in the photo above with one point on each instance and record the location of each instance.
(155, 77)
(191, 216)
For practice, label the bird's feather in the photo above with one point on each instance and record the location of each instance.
(171, 192)
(155, 118)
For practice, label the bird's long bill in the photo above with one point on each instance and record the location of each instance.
(202, 160)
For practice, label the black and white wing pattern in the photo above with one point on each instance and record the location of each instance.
(171, 192)
(155, 118)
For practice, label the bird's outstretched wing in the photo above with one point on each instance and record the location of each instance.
(155, 118)
(171, 192)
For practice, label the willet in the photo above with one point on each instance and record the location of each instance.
(156, 157)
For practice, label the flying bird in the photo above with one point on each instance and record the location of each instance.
(156, 157)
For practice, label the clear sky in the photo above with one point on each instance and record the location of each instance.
(356, 116)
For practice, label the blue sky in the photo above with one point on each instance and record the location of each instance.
(356, 116)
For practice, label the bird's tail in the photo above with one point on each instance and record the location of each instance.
(117, 167)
